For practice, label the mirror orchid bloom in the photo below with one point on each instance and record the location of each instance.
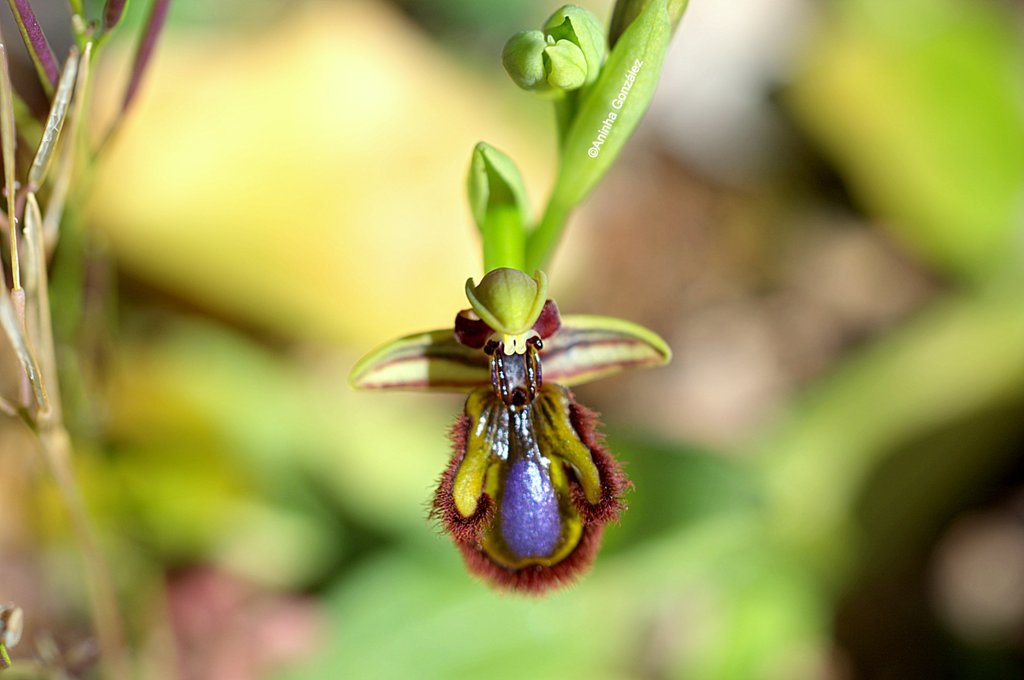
(530, 486)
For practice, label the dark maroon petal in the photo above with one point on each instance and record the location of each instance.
(470, 330)
(549, 320)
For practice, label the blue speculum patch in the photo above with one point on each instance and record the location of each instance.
(530, 521)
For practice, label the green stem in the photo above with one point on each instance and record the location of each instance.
(114, 661)
(503, 238)
(565, 112)
(542, 241)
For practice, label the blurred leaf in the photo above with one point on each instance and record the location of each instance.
(959, 358)
(299, 265)
(911, 495)
(919, 103)
(708, 603)
(284, 423)
(156, 479)
(677, 486)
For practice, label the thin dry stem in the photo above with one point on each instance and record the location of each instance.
(41, 325)
(18, 301)
(59, 189)
(54, 121)
(56, 448)
(7, 142)
(47, 421)
(69, 144)
(13, 327)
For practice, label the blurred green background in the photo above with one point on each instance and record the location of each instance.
(823, 214)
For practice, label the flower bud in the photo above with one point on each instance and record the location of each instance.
(567, 67)
(581, 28)
(523, 59)
(566, 55)
(494, 183)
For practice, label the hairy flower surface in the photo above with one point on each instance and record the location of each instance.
(529, 487)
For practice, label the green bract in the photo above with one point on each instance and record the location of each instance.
(497, 199)
(604, 117)
(611, 110)
(626, 12)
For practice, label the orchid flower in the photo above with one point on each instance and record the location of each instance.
(529, 487)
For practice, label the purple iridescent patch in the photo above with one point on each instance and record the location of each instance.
(530, 521)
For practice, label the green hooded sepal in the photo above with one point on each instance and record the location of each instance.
(508, 300)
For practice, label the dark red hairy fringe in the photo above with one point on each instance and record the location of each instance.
(462, 529)
(614, 482)
(534, 580)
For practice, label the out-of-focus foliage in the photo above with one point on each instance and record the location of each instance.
(920, 103)
(330, 169)
(290, 193)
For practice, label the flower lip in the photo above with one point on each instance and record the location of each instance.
(508, 300)
(495, 498)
